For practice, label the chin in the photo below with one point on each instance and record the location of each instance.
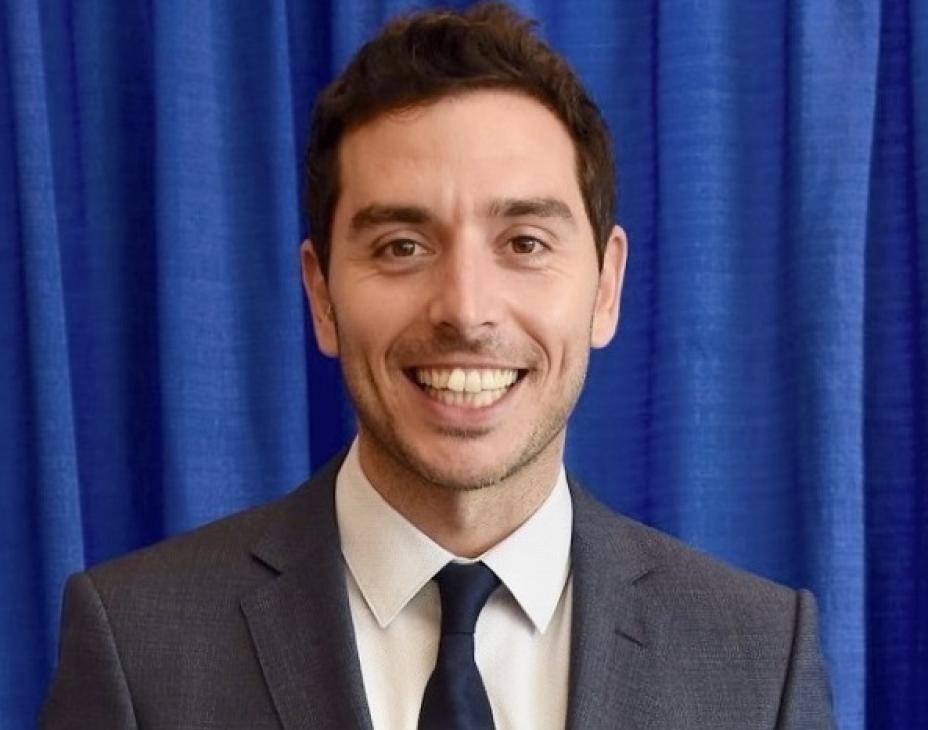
(458, 479)
(453, 468)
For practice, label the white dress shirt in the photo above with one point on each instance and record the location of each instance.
(523, 633)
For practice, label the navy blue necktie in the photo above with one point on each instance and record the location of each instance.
(455, 698)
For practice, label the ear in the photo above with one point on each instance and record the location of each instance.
(320, 303)
(609, 291)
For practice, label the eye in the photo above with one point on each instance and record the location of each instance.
(526, 245)
(400, 248)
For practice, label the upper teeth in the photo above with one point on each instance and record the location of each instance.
(472, 380)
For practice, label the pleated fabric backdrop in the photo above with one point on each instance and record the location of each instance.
(766, 399)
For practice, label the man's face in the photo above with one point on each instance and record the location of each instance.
(463, 291)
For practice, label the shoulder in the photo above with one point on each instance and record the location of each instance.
(719, 645)
(691, 587)
(225, 557)
(171, 620)
(220, 545)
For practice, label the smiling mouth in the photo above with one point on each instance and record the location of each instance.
(465, 387)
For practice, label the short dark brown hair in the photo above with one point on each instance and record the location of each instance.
(429, 55)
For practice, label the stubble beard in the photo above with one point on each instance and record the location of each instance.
(406, 465)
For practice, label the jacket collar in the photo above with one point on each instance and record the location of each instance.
(614, 624)
(300, 621)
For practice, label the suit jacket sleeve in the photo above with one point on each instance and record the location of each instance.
(89, 688)
(806, 701)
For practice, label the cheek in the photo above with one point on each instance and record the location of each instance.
(370, 321)
(557, 316)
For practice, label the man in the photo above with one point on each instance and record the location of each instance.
(464, 260)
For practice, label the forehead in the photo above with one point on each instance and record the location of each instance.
(460, 150)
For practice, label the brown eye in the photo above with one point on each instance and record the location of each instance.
(526, 244)
(402, 248)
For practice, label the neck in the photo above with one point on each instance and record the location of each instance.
(466, 522)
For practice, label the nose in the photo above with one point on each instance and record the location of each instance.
(465, 294)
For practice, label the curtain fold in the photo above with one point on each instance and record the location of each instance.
(40, 501)
(896, 390)
(766, 398)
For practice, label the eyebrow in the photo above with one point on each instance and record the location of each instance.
(376, 214)
(533, 207)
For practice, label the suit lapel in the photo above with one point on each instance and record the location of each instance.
(614, 677)
(300, 621)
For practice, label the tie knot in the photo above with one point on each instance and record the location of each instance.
(464, 590)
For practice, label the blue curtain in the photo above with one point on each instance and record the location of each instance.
(767, 396)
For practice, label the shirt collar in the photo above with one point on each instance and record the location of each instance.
(533, 562)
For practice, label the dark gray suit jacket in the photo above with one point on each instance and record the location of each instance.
(245, 624)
